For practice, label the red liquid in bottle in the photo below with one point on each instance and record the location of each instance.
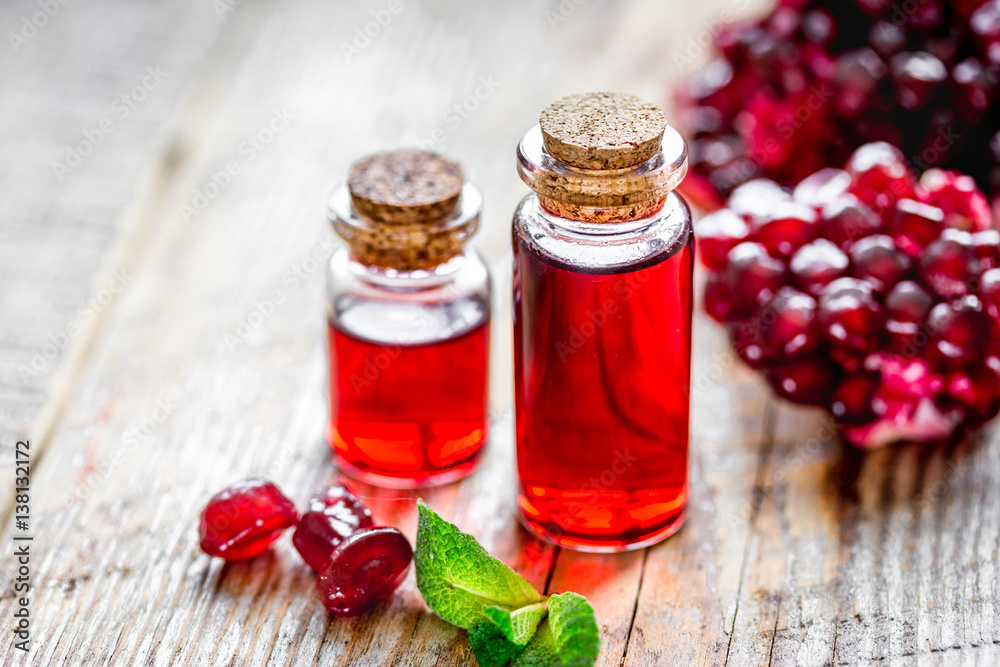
(602, 374)
(408, 415)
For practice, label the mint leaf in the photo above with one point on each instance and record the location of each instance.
(574, 627)
(541, 650)
(519, 625)
(490, 645)
(458, 578)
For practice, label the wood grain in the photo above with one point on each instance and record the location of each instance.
(795, 551)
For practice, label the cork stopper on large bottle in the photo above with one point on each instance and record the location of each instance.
(602, 130)
(406, 210)
(602, 157)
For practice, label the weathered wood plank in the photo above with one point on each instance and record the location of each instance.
(64, 230)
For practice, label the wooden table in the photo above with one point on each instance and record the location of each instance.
(144, 353)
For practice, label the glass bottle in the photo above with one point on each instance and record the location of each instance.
(408, 322)
(603, 261)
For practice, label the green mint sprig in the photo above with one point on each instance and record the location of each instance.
(506, 618)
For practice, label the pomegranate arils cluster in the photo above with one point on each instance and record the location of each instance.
(878, 299)
(802, 88)
(359, 565)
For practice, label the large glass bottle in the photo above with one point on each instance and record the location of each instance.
(603, 260)
(408, 322)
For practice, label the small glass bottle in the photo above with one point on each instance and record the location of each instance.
(603, 261)
(408, 322)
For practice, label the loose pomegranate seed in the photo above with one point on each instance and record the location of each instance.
(915, 225)
(959, 330)
(333, 515)
(908, 302)
(817, 264)
(748, 342)
(753, 276)
(718, 233)
(949, 265)
(849, 316)
(847, 218)
(365, 569)
(806, 381)
(877, 260)
(859, 74)
(984, 24)
(243, 520)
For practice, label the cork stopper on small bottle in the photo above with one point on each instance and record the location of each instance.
(405, 186)
(406, 210)
(602, 131)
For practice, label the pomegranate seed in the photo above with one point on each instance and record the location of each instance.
(949, 265)
(984, 24)
(717, 299)
(846, 219)
(821, 188)
(786, 228)
(787, 324)
(918, 76)
(859, 74)
(718, 233)
(753, 276)
(915, 225)
(333, 515)
(877, 260)
(987, 247)
(848, 315)
(817, 264)
(852, 399)
(754, 200)
(989, 292)
(748, 342)
(977, 390)
(959, 330)
(365, 569)
(805, 381)
(964, 205)
(242, 521)
(880, 175)
(908, 302)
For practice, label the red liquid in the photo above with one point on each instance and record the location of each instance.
(602, 374)
(408, 415)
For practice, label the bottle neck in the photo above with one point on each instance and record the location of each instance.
(601, 220)
(419, 279)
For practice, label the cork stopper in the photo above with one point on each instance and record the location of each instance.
(407, 210)
(405, 186)
(602, 131)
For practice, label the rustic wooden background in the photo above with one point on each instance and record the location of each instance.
(131, 354)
